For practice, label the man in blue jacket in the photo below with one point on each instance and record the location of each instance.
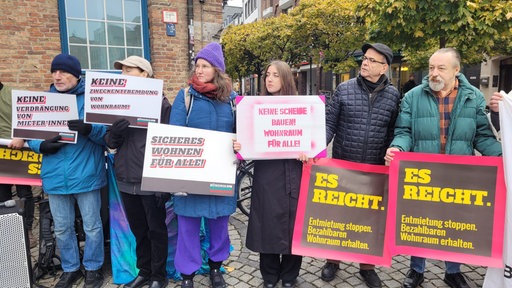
(443, 115)
(74, 173)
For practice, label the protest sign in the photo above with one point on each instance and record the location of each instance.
(43, 115)
(502, 277)
(110, 97)
(190, 160)
(447, 207)
(280, 127)
(19, 166)
(342, 212)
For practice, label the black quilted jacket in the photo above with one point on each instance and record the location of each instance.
(129, 159)
(361, 123)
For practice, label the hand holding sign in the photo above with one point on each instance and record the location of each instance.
(51, 146)
(79, 126)
(117, 132)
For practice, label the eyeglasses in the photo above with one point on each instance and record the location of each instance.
(373, 60)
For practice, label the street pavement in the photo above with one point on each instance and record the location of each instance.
(242, 268)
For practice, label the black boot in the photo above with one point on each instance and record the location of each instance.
(188, 280)
(216, 275)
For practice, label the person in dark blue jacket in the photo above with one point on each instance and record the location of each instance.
(75, 173)
(204, 104)
(361, 117)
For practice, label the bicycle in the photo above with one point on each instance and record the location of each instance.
(243, 184)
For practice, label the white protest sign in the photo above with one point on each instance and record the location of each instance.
(190, 160)
(109, 97)
(502, 277)
(281, 127)
(43, 115)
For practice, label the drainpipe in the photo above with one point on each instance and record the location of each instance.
(190, 21)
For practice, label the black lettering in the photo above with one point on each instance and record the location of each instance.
(507, 272)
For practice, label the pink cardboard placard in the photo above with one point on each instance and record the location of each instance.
(447, 207)
(281, 127)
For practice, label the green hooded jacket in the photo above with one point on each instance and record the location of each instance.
(417, 127)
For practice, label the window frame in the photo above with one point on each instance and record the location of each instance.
(64, 37)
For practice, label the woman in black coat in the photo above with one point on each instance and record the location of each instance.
(274, 198)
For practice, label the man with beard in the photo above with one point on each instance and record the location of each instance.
(443, 115)
(360, 117)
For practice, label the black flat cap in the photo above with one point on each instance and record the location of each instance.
(382, 49)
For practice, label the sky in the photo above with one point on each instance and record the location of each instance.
(237, 3)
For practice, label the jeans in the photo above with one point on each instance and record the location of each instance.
(62, 207)
(418, 265)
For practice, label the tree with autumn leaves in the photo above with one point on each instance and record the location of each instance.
(327, 31)
(477, 28)
(330, 31)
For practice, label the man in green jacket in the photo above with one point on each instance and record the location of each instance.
(443, 115)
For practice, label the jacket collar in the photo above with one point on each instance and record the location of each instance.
(465, 88)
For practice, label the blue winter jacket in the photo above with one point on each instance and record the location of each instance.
(204, 113)
(417, 126)
(79, 167)
(361, 122)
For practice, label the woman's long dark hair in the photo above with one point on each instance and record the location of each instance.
(288, 86)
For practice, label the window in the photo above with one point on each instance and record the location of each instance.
(100, 32)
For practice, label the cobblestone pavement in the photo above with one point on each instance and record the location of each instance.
(242, 268)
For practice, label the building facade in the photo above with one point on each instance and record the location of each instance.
(496, 75)
(100, 32)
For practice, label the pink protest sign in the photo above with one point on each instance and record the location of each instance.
(281, 127)
(447, 207)
(342, 212)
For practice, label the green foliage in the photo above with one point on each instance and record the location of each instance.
(248, 48)
(419, 28)
(328, 31)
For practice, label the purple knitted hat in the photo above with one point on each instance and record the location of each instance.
(213, 54)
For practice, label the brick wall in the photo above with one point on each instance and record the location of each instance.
(30, 38)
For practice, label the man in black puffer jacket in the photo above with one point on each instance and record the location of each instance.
(361, 117)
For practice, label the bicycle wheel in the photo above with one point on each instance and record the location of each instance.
(243, 202)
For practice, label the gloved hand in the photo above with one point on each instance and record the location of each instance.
(79, 126)
(51, 146)
(120, 127)
(117, 132)
(161, 199)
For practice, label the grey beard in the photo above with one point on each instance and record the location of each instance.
(436, 86)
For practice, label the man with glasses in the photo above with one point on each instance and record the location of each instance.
(360, 117)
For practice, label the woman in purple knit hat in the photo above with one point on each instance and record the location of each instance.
(204, 104)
